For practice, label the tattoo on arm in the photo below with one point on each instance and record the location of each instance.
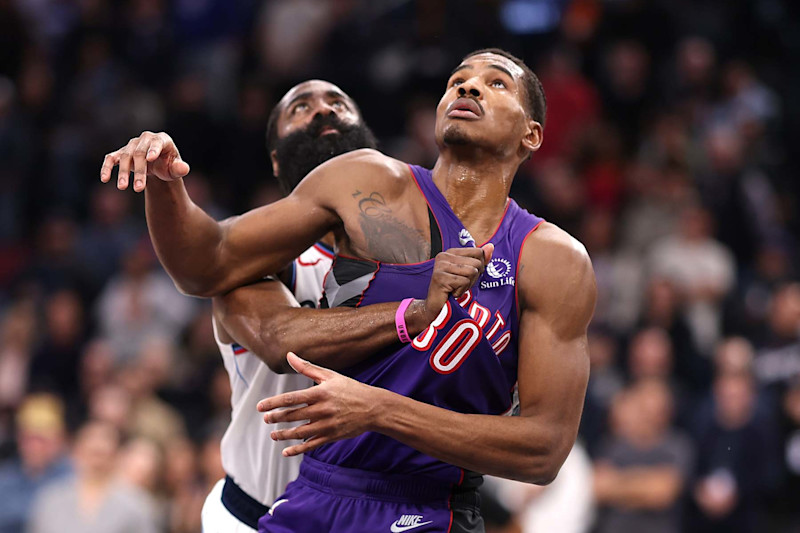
(389, 238)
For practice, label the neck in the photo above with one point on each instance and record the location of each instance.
(329, 240)
(476, 189)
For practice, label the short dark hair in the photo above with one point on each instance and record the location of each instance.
(536, 101)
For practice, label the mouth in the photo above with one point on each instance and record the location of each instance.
(328, 130)
(465, 108)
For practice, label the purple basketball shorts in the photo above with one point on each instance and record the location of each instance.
(327, 498)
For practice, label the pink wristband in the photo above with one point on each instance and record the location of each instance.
(400, 320)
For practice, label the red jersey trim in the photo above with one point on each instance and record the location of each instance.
(321, 250)
(364, 292)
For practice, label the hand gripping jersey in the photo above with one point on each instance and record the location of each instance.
(466, 360)
(249, 455)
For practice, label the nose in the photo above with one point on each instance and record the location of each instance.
(468, 88)
(324, 108)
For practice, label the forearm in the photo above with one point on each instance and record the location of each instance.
(185, 238)
(513, 447)
(335, 338)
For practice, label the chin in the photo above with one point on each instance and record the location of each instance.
(456, 136)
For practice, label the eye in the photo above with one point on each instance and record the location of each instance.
(301, 106)
(455, 82)
(499, 83)
(339, 104)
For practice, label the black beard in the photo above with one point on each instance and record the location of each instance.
(302, 151)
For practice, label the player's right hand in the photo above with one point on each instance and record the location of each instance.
(454, 272)
(149, 154)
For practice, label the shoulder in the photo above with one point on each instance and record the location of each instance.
(365, 162)
(554, 254)
(359, 168)
(556, 274)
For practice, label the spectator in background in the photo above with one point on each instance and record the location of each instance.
(737, 468)
(112, 404)
(619, 273)
(572, 104)
(184, 485)
(663, 309)
(141, 465)
(773, 267)
(650, 356)
(139, 303)
(701, 268)
(108, 233)
(94, 500)
(150, 416)
(778, 359)
(640, 473)
(17, 333)
(733, 355)
(692, 84)
(55, 264)
(56, 360)
(738, 193)
(659, 197)
(625, 87)
(41, 444)
(785, 507)
(96, 369)
(605, 382)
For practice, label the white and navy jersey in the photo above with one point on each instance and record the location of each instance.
(249, 455)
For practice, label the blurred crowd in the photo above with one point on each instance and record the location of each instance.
(668, 153)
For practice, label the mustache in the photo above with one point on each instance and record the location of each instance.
(320, 122)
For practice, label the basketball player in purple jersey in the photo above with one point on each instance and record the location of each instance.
(488, 122)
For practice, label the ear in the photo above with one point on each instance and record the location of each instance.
(533, 136)
(273, 156)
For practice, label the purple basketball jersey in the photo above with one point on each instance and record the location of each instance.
(466, 361)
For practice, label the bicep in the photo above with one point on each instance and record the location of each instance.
(265, 240)
(557, 303)
(553, 374)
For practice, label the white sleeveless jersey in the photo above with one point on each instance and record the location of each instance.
(249, 455)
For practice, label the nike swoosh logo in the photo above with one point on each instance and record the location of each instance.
(399, 529)
(275, 505)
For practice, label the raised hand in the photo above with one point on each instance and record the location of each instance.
(337, 408)
(149, 154)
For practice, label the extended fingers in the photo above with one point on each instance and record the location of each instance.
(109, 162)
(124, 169)
(295, 414)
(140, 154)
(287, 399)
(307, 446)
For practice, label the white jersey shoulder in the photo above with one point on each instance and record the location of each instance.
(249, 455)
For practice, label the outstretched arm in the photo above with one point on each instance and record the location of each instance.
(557, 302)
(205, 257)
(266, 319)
